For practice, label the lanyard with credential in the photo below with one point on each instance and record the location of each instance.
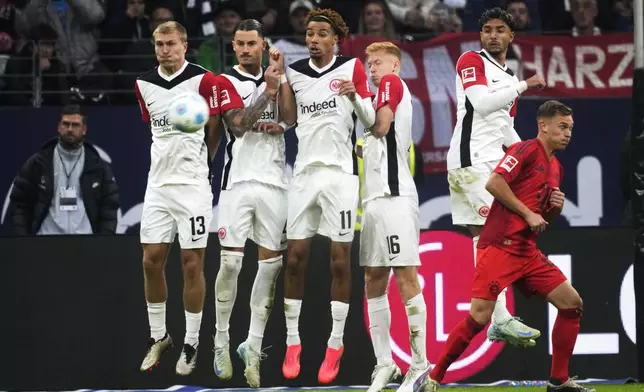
(68, 174)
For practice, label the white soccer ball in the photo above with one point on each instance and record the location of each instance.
(188, 112)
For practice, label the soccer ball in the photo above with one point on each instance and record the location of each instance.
(188, 112)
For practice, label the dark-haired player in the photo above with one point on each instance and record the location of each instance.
(323, 195)
(487, 92)
(178, 198)
(252, 204)
(525, 187)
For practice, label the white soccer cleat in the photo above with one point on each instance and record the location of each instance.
(514, 332)
(187, 360)
(383, 375)
(155, 349)
(251, 359)
(415, 380)
(223, 366)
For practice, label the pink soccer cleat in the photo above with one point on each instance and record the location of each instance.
(291, 365)
(331, 365)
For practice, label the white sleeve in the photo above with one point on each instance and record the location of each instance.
(485, 102)
(364, 110)
(510, 136)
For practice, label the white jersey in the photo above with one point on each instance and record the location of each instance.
(175, 157)
(255, 156)
(386, 160)
(478, 139)
(324, 120)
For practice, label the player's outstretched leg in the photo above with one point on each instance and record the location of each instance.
(261, 304)
(156, 293)
(194, 294)
(407, 279)
(385, 371)
(504, 326)
(564, 335)
(340, 295)
(225, 294)
(297, 259)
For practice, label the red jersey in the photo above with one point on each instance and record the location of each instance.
(532, 176)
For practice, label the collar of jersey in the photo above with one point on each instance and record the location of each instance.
(246, 74)
(489, 57)
(174, 75)
(320, 70)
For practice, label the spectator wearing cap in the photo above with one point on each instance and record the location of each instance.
(376, 21)
(225, 17)
(293, 47)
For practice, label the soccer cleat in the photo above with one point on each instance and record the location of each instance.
(514, 332)
(155, 349)
(383, 375)
(429, 385)
(568, 386)
(415, 380)
(223, 366)
(251, 359)
(291, 365)
(187, 360)
(331, 365)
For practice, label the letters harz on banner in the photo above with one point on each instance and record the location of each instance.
(573, 67)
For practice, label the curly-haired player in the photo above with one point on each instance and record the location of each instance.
(322, 93)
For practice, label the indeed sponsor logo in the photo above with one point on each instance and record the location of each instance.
(163, 123)
(267, 115)
(316, 109)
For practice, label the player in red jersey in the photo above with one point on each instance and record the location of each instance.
(525, 186)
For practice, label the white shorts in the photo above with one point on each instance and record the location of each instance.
(390, 232)
(470, 200)
(253, 210)
(322, 200)
(172, 209)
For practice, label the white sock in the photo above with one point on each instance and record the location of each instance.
(261, 299)
(417, 320)
(225, 293)
(156, 317)
(292, 309)
(339, 312)
(379, 325)
(501, 314)
(193, 324)
(475, 241)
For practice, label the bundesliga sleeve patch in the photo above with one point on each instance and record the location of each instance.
(509, 163)
(468, 75)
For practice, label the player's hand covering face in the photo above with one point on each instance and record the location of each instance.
(496, 36)
(170, 49)
(248, 47)
(320, 39)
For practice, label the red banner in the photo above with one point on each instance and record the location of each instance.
(573, 67)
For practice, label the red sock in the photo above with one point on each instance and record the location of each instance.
(457, 342)
(564, 336)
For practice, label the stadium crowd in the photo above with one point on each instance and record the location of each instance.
(91, 51)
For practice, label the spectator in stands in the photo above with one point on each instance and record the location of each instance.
(376, 20)
(521, 15)
(130, 26)
(75, 22)
(265, 11)
(17, 83)
(412, 14)
(8, 34)
(294, 47)
(226, 18)
(443, 19)
(584, 13)
(623, 20)
(66, 187)
(140, 56)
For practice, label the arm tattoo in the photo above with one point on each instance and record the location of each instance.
(241, 120)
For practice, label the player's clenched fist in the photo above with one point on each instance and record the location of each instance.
(557, 199)
(535, 82)
(348, 88)
(276, 59)
(272, 78)
(536, 222)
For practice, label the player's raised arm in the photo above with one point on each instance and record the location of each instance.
(286, 98)
(390, 94)
(357, 90)
(241, 120)
(498, 186)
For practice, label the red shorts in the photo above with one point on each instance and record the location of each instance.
(497, 269)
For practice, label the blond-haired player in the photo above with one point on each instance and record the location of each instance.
(390, 224)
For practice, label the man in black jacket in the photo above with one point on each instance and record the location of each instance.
(66, 187)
